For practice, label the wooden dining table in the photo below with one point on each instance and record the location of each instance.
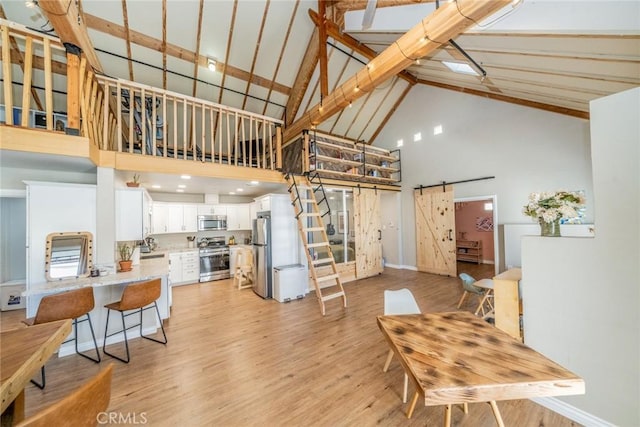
(23, 351)
(458, 358)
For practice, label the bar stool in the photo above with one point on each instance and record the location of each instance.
(66, 305)
(243, 274)
(136, 298)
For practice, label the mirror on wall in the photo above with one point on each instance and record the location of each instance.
(69, 255)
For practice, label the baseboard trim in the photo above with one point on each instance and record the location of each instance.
(401, 267)
(571, 412)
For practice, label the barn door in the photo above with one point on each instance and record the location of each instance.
(368, 228)
(435, 231)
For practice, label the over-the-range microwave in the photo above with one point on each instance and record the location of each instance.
(212, 222)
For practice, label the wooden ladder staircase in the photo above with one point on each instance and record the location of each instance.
(311, 227)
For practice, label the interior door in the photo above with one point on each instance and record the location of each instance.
(368, 228)
(435, 231)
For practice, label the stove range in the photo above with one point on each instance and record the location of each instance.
(214, 259)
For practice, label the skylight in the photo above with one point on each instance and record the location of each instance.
(459, 67)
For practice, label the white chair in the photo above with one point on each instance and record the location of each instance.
(483, 288)
(399, 302)
(243, 274)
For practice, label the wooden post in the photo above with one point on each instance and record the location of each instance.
(305, 151)
(278, 147)
(73, 89)
(6, 74)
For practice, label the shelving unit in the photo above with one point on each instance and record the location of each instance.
(469, 250)
(334, 157)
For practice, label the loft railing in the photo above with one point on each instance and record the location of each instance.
(29, 60)
(123, 116)
(156, 122)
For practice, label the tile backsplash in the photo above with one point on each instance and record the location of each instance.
(179, 240)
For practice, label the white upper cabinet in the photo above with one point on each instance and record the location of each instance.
(174, 218)
(133, 214)
(212, 210)
(239, 217)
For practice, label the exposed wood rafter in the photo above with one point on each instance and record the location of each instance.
(255, 53)
(322, 48)
(333, 30)
(346, 5)
(302, 79)
(164, 44)
(70, 26)
(115, 30)
(228, 50)
(445, 23)
(197, 52)
(512, 100)
(125, 20)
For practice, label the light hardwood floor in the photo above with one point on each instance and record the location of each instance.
(234, 359)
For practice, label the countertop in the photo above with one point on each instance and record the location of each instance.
(148, 269)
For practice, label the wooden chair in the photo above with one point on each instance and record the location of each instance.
(482, 288)
(243, 274)
(399, 302)
(80, 408)
(66, 305)
(136, 298)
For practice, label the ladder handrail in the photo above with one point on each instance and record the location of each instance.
(320, 187)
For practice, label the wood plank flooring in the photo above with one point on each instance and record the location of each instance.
(234, 359)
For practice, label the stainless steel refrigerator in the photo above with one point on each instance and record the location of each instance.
(262, 283)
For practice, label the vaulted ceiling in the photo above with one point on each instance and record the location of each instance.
(554, 55)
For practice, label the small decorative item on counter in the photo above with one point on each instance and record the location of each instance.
(192, 241)
(135, 182)
(125, 257)
(232, 240)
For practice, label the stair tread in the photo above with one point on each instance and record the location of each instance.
(329, 277)
(322, 261)
(313, 229)
(332, 296)
(317, 245)
(310, 214)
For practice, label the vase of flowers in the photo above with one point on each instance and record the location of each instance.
(548, 208)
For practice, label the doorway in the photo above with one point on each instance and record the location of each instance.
(476, 236)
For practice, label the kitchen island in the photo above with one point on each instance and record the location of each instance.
(107, 289)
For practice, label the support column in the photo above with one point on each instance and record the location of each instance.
(105, 239)
(73, 89)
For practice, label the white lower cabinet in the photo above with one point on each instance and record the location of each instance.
(184, 267)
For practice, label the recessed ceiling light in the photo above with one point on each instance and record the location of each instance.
(182, 186)
(331, 198)
(179, 190)
(232, 192)
(461, 68)
(185, 176)
(211, 64)
(254, 182)
(156, 186)
(240, 189)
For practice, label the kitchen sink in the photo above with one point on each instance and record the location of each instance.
(149, 256)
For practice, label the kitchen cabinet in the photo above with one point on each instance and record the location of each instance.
(174, 218)
(263, 204)
(133, 214)
(239, 217)
(184, 267)
(212, 209)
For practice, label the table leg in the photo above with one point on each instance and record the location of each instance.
(412, 405)
(496, 413)
(406, 388)
(465, 407)
(14, 412)
(388, 362)
(447, 416)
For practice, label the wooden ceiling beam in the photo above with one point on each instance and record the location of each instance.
(69, 24)
(125, 21)
(445, 23)
(303, 79)
(518, 101)
(333, 30)
(115, 30)
(322, 48)
(346, 5)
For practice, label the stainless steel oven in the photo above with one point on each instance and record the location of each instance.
(214, 263)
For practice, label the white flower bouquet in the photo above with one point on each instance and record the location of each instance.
(553, 206)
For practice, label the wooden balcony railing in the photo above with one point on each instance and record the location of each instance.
(123, 116)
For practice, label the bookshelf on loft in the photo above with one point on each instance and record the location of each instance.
(334, 157)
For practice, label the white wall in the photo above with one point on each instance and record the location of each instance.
(524, 148)
(13, 228)
(12, 178)
(581, 296)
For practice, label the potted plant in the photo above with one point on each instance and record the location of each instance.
(125, 257)
(135, 182)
